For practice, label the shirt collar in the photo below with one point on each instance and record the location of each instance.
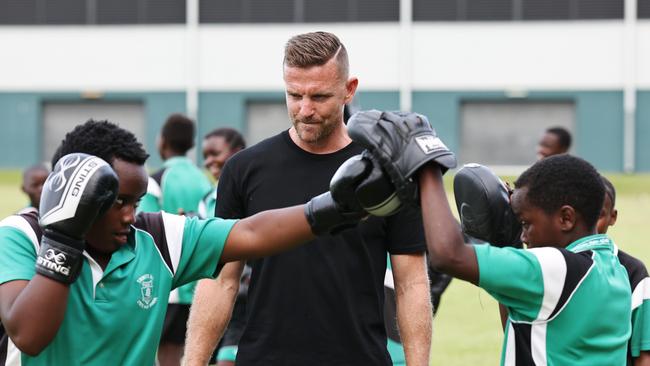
(176, 160)
(591, 242)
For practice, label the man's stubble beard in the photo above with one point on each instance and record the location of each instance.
(324, 130)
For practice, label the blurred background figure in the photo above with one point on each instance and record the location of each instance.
(176, 188)
(33, 179)
(556, 140)
(218, 146)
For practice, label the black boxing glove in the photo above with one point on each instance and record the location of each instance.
(402, 142)
(338, 209)
(80, 188)
(357, 188)
(376, 193)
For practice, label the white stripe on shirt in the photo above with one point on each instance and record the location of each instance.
(553, 266)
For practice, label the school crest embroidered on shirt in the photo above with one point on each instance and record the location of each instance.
(146, 300)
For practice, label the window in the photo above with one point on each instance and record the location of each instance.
(91, 11)
(298, 11)
(488, 126)
(643, 9)
(265, 119)
(61, 117)
(456, 10)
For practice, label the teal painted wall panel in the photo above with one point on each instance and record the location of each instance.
(599, 132)
(21, 115)
(642, 143)
(598, 138)
(382, 100)
(157, 107)
(229, 109)
(19, 140)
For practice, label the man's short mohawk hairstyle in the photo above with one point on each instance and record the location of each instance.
(103, 139)
(564, 180)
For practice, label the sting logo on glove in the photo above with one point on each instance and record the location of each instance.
(58, 180)
(54, 261)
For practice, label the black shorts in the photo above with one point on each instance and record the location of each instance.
(233, 333)
(175, 324)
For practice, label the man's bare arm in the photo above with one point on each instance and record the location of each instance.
(210, 313)
(414, 313)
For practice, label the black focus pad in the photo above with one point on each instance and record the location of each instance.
(402, 142)
(483, 203)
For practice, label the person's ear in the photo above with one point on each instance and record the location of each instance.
(351, 87)
(567, 218)
(613, 217)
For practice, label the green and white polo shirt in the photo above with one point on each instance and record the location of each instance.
(115, 316)
(640, 284)
(180, 185)
(208, 204)
(567, 306)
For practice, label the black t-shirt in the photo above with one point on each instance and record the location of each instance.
(320, 303)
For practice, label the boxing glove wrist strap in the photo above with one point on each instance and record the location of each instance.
(59, 261)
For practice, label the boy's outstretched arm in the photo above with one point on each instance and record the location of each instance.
(447, 249)
(266, 233)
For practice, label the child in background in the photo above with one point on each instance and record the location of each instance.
(639, 346)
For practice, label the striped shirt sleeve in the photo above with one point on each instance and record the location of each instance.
(640, 340)
(534, 284)
(191, 248)
(195, 246)
(18, 247)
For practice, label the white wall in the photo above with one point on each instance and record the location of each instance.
(97, 58)
(446, 56)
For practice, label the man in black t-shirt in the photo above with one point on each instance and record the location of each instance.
(321, 304)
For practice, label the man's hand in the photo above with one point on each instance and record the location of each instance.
(402, 143)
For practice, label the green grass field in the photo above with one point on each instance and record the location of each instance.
(467, 329)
